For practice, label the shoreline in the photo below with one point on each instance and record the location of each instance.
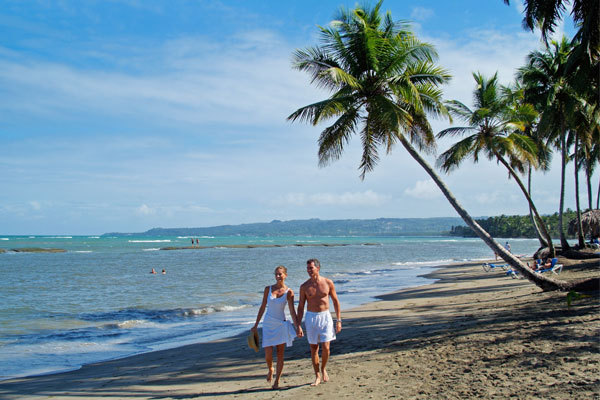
(411, 335)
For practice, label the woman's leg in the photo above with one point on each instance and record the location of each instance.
(280, 352)
(269, 360)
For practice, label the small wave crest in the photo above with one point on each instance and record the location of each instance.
(151, 241)
(152, 249)
(160, 316)
(211, 309)
(424, 263)
(130, 324)
(83, 251)
(340, 281)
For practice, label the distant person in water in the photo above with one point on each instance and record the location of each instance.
(164, 271)
(153, 271)
(197, 241)
(277, 331)
(507, 247)
(320, 329)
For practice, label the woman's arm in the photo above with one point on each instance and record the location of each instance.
(261, 310)
(290, 299)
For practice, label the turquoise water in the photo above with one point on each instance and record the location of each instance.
(98, 301)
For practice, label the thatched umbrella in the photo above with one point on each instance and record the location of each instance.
(590, 221)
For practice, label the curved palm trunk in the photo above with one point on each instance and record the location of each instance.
(598, 196)
(542, 225)
(536, 228)
(541, 281)
(563, 151)
(588, 178)
(580, 239)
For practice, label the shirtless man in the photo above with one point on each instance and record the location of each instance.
(319, 324)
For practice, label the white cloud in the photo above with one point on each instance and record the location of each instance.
(185, 81)
(35, 205)
(368, 197)
(145, 210)
(421, 13)
(487, 197)
(426, 189)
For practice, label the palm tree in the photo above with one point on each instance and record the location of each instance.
(548, 88)
(586, 123)
(493, 131)
(546, 14)
(514, 95)
(383, 82)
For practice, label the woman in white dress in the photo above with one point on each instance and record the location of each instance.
(277, 331)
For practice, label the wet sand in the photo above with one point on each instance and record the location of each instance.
(471, 334)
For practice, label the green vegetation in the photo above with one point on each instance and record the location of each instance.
(384, 85)
(513, 226)
(315, 226)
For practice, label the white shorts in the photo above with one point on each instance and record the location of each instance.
(319, 327)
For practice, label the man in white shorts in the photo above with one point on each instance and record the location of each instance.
(320, 329)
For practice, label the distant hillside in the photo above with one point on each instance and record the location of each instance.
(315, 226)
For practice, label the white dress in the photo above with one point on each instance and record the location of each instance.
(276, 329)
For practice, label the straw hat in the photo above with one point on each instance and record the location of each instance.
(253, 340)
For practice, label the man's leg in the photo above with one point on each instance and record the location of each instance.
(269, 360)
(325, 358)
(314, 355)
(280, 352)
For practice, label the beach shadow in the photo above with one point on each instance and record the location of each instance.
(158, 374)
(235, 392)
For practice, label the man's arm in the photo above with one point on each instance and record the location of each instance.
(301, 304)
(336, 306)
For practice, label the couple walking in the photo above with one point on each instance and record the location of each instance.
(320, 329)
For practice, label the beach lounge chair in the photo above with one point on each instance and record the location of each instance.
(554, 267)
(489, 266)
(513, 274)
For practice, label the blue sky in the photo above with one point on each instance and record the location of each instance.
(128, 115)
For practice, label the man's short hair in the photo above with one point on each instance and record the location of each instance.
(314, 261)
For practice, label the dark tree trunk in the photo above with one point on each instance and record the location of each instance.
(563, 151)
(536, 228)
(580, 239)
(541, 223)
(598, 196)
(588, 179)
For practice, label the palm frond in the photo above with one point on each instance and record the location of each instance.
(451, 158)
(335, 137)
(454, 131)
(459, 110)
(316, 112)
(370, 143)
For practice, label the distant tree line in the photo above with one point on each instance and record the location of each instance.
(515, 226)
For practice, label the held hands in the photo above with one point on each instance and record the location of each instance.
(338, 326)
(253, 329)
(299, 331)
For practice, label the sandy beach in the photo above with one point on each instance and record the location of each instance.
(471, 334)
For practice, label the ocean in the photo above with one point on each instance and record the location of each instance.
(98, 300)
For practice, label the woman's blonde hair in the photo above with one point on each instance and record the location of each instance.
(281, 267)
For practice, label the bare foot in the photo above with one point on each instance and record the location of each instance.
(275, 385)
(325, 376)
(270, 374)
(317, 380)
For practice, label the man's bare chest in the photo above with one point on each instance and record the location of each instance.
(317, 290)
